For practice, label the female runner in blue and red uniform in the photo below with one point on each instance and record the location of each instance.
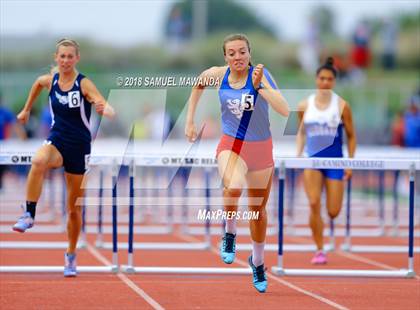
(245, 151)
(71, 96)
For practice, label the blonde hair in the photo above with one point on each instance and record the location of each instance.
(64, 42)
(67, 42)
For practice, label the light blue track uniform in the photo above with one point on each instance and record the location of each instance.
(244, 112)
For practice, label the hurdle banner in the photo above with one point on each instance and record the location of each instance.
(175, 160)
(410, 165)
(21, 159)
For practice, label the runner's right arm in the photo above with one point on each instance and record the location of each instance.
(196, 92)
(44, 81)
(301, 137)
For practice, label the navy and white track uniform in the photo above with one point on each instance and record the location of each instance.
(70, 127)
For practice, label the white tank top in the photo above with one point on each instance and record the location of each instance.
(323, 128)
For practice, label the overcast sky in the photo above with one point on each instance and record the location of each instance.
(129, 22)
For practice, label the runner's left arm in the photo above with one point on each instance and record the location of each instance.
(270, 92)
(93, 95)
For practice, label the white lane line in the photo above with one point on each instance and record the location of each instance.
(125, 279)
(275, 278)
(364, 260)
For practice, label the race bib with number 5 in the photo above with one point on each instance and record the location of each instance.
(74, 99)
(247, 102)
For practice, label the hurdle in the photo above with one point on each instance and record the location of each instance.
(380, 227)
(346, 231)
(380, 223)
(113, 268)
(131, 269)
(99, 161)
(46, 217)
(60, 228)
(347, 246)
(383, 164)
(334, 163)
(133, 162)
(273, 247)
(101, 229)
(49, 201)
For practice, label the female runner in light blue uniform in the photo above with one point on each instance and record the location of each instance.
(322, 117)
(71, 97)
(244, 154)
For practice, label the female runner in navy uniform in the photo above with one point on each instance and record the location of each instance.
(71, 96)
(244, 154)
(322, 117)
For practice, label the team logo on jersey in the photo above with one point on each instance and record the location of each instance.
(62, 99)
(334, 121)
(237, 107)
(234, 106)
(320, 130)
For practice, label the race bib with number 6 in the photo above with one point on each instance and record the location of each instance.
(74, 99)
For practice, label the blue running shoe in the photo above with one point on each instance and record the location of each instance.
(259, 278)
(70, 265)
(24, 222)
(227, 248)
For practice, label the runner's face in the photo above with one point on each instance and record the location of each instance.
(66, 58)
(325, 79)
(237, 55)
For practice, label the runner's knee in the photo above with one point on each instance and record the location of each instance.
(39, 163)
(232, 192)
(333, 213)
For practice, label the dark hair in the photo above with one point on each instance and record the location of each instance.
(235, 37)
(328, 65)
